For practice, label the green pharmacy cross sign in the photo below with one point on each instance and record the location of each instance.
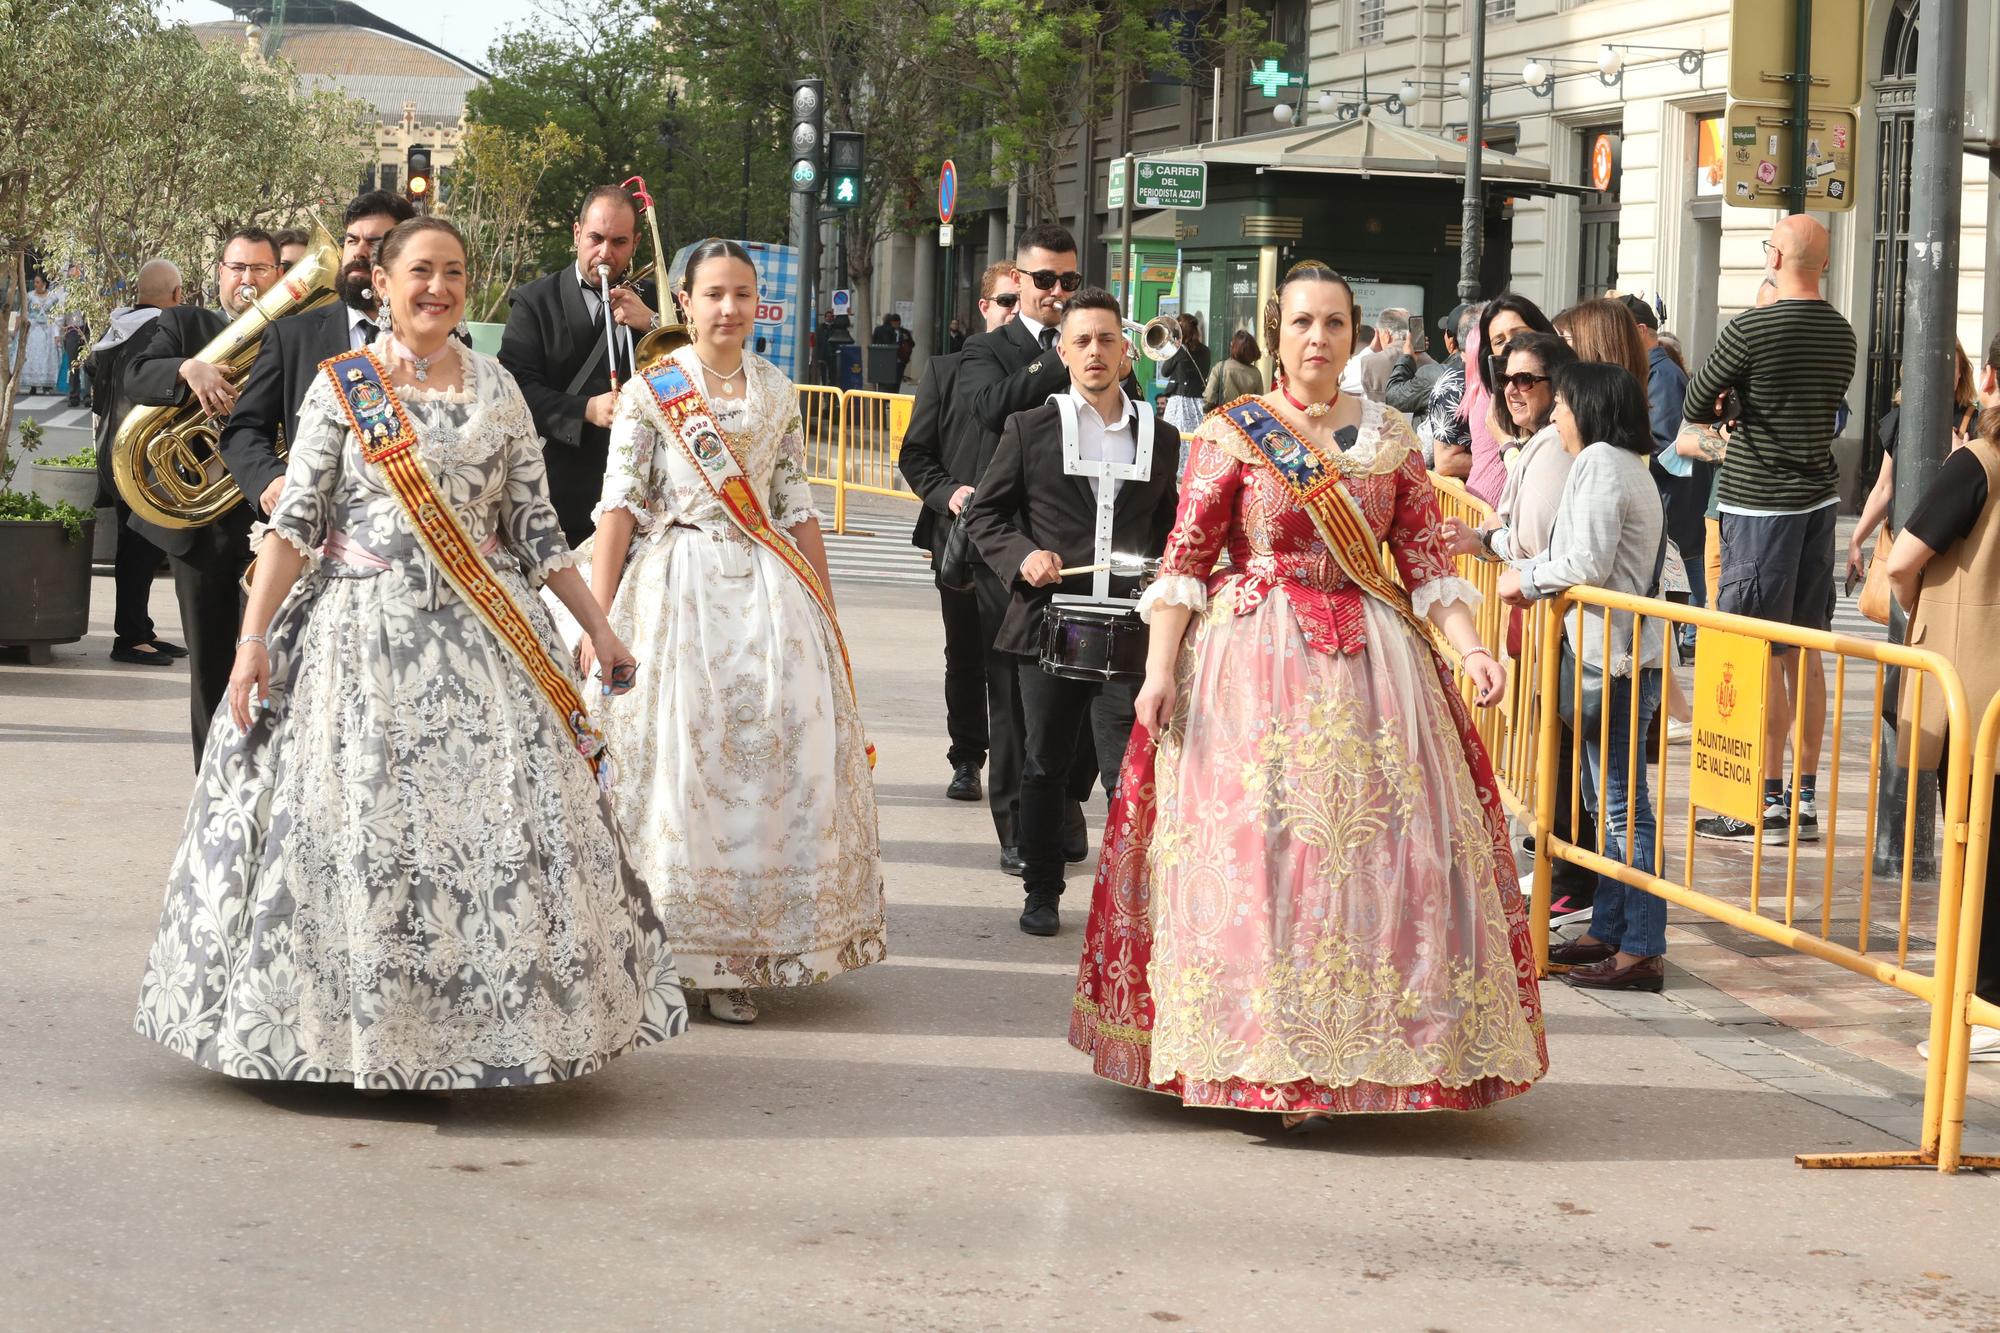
(1272, 79)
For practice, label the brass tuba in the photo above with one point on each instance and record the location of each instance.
(164, 459)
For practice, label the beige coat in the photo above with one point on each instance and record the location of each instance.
(1958, 617)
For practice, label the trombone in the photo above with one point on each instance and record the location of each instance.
(1158, 339)
(668, 338)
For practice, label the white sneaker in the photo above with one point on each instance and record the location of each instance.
(1678, 732)
(1985, 1048)
(731, 1006)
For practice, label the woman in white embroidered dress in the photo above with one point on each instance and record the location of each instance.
(397, 870)
(746, 793)
(41, 368)
(1306, 902)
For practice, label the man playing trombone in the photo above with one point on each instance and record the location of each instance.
(569, 351)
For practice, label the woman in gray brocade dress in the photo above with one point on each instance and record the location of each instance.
(401, 874)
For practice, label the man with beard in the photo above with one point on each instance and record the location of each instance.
(556, 347)
(160, 370)
(288, 357)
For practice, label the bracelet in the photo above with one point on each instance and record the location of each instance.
(1481, 649)
(249, 638)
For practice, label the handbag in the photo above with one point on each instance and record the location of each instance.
(1588, 720)
(1875, 590)
(956, 559)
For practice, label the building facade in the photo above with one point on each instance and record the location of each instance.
(1625, 119)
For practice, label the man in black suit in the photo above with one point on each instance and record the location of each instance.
(556, 347)
(208, 561)
(939, 452)
(1009, 370)
(1040, 508)
(289, 353)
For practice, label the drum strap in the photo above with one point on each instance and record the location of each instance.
(1100, 471)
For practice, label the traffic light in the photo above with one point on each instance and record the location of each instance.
(846, 152)
(808, 115)
(417, 175)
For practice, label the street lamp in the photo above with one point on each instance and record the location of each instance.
(1408, 93)
(1610, 62)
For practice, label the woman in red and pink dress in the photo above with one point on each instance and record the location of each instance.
(1306, 901)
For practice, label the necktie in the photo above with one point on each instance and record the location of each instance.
(368, 329)
(1048, 339)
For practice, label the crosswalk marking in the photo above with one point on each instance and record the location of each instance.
(876, 559)
(76, 416)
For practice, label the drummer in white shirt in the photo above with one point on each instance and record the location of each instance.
(1087, 475)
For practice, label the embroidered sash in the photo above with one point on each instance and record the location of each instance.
(1318, 490)
(694, 428)
(388, 442)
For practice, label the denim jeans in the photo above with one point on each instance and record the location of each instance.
(1630, 920)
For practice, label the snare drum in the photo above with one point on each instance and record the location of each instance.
(1093, 641)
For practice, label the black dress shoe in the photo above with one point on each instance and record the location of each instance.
(1077, 849)
(139, 656)
(964, 783)
(1039, 916)
(170, 649)
(1011, 862)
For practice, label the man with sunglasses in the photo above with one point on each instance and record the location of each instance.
(160, 371)
(1012, 369)
(939, 452)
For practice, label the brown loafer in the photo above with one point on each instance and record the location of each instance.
(1575, 953)
(1648, 974)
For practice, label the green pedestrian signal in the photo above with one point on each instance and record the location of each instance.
(846, 159)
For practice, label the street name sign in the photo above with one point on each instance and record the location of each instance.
(1160, 185)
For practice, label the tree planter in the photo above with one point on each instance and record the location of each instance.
(44, 585)
(78, 485)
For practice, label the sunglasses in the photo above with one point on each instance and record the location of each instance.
(1523, 380)
(1007, 300)
(1046, 279)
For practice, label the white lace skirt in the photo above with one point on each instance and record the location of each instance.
(402, 876)
(743, 782)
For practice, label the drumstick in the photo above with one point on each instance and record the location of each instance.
(1082, 569)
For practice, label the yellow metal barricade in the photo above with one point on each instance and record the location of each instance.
(820, 411)
(872, 426)
(1508, 729)
(1734, 893)
(1966, 1007)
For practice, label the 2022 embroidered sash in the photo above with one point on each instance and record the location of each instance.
(389, 443)
(694, 428)
(1318, 490)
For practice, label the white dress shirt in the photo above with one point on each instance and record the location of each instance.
(357, 337)
(1100, 442)
(1032, 325)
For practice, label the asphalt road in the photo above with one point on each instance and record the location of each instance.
(914, 1146)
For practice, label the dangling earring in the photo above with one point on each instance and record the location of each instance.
(387, 322)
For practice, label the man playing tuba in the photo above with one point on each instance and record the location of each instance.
(161, 369)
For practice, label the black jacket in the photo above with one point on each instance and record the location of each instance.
(941, 451)
(550, 336)
(1004, 372)
(151, 378)
(1027, 503)
(287, 360)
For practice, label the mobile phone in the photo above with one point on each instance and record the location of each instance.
(1851, 581)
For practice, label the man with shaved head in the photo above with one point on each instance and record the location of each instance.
(155, 289)
(1788, 363)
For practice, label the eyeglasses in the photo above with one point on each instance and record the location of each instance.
(1006, 300)
(251, 270)
(1523, 380)
(1046, 279)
